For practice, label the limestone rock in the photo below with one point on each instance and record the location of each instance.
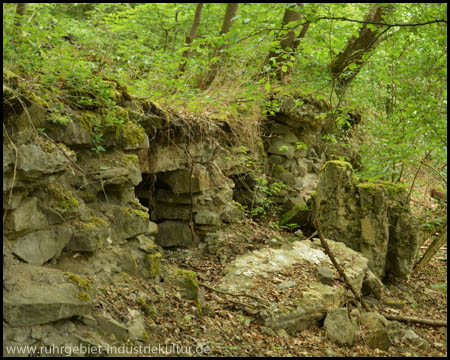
(26, 217)
(373, 320)
(88, 236)
(378, 339)
(403, 236)
(207, 218)
(136, 330)
(302, 112)
(325, 275)
(35, 164)
(35, 295)
(374, 226)
(107, 324)
(372, 285)
(173, 157)
(128, 222)
(307, 309)
(373, 218)
(298, 214)
(179, 180)
(279, 147)
(73, 130)
(186, 282)
(339, 328)
(164, 211)
(40, 246)
(174, 233)
(336, 204)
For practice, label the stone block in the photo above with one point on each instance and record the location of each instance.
(339, 328)
(27, 216)
(280, 147)
(174, 233)
(35, 295)
(180, 183)
(40, 246)
(207, 217)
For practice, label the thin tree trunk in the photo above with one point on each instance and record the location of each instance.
(289, 42)
(20, 11)
(228, 20)
(191, 36)
(432, 250)
(175, 30)
(347, 64)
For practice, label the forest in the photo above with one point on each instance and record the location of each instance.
(151, 149)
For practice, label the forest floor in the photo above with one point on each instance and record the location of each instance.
(223, 328)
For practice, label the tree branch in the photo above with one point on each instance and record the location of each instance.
(378, 23)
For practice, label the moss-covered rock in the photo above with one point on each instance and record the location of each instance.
(154, 263)
(88, 235)
(82, 282)
(373, 218)
(299, 214)
(186, 281)
(132, 136)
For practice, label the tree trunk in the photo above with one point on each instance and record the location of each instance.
(20, 11)
(230, 13)
(347, 64)
(191, 36)
(432, 250)
(288, 42)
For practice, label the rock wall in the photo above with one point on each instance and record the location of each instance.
(72, 222)
(296, 153)
(372, 218)
(92, 195)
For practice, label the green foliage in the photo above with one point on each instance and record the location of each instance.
(70, 53)
(264, 191)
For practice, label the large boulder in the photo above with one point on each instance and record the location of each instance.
(336, 204)
(300, 300)
(373, 218)
(35, 295)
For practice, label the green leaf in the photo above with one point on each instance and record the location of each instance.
(267, 86)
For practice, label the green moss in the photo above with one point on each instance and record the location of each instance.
(36, 99)
(133, 134)
(60, 119)
(371, 187)
(135, 212)
(84, 296)
(390, 187)
(130, 159)
(279, 169)
(86, 226)
(288, 215)
(188, 280)
(148, 309)
(98, 221)
(339, 163)
(81, 282)
(48, 147)
(154, 262)
(63, 199)
(396, 188)
(87, 119)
